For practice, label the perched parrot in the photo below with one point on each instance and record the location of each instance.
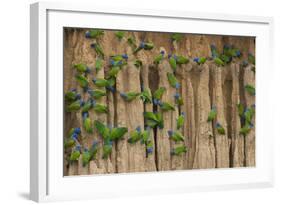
(99, 108)
(212, 114)
(82, 68)
(159, 58)
(248, 114)
(129, 96)
(102, 129)
(87, 106)
(250, 89)
(154, 119)
(246, 129)
(179, 99)
(98, 49)
(72, 95)
(241, 109)
(175, 136)
(120, 35)
(173, 80)
(113, 72)
(75, 154)
(180, 120)
(119, 57)
(97, 94)
(218, 61)
(82, 80)
(75, 106)
(107, 149)
(157, 95)
(87, 123)
(145, 46)
(100, 82)
(135, 135)
(75, 130)
(94, 149)
(71, 141)
(145, 96)
(251, 59)
(176, 37)
(145, 135)
(179, 150)
(132, 42)
(166, 106)
(148, 46)
(94, 33)
(200, 60)
(172, 62)
(149, 147)
(98, 65)
(225, 59)
(214, 51)
(138, 63)
(220, 129)
(181, 59)
(86, 157)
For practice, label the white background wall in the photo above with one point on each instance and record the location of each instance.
(14, 103)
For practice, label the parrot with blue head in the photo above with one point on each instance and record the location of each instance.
(86, 157)
(98, 65)
(241, 109)
(99, 108)
(94, 149)
(129, 96)
(98, 49)
(149, 147)
(113, 72)
(157, 95)
(200, 60)
(165, 106)
(180, 120)
(97, 94)
(87, 106)
(82, 68)
(94, 33)
(212, 114)
(220, 128)
(132, 42)
(71, 140)
(75, 154)
(159, 58)
(135, 135)
(172, 62)
(180, 59)
(214, 51)
(250, 89)
(173, 80)
(87, 122)
(145, 135)
(117, 133)
(75, 106)
(107, 149)
(175, 136)
(178, 99)
(145, 96)
(120, 35)
(154, 119)
(179, 150)
(82, 80)
(72, 95)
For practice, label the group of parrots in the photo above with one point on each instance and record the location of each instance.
(153, 120)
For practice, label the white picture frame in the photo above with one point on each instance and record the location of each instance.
(47, 182)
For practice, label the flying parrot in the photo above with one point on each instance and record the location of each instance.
(145, 96)
(176, 37)
(172, 62)
(75, 154)
(86, 157)
(166, 106)
(87, 123)
(200, 60)
(173, 80)
(82, 68)
(75, 106)
(175, 136)
(212, 114)
(220, 129)
(120, 35)
(157, 95)
(179, 150)
(180, 120)
(94, 33)
(129, 96)
(250, 89)
(82, 80)
(159, 58)
(98, 65)
(135, 135)
(98, 49)
(72, 95)
(97, 94)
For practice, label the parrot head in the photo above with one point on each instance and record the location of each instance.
(149, 150)
(120, 62)
(169, 55)
(85, 115)
(75, 136)
(213, 47)
(125, 56)
(93, 45)
(88, 70)
(77, 130)
(110, 88)
(251, 125)
(170, 133)
(124, 95)
(138, 129)
(177, 86)
(183, 113)
(78, 96)
(78, 148)
(142, 44)
(82, 103)
(162, 52)
(196, 60)
(73, 89)
(177, 95)
(111, 62)
(87, 34)
(245, 63)
(218, 125)
(238, 53)
(155, 101)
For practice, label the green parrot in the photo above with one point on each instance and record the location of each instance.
(218, 61)
(241, 109)
(129, 96)
(154, 119)
(157, 95)
(179, 150)
(87, 106)
(145, 136)
(117, 133)
(145, 96)
(172, 62)
(225, 59)
(251, 59)
(180, 120)
(181, 59)
(249, 113)
(75, 106)
(175, 136)
(71, 140)
(98, 49)
(120, 35)
(82, 68)
(99, 108)
(75, 154)
(176, 37)
(246, 129)
(107, 149)
(145, 46)
(94, 33)
(132, 42)
(102, 129)
(97, 94)
(200, 60)
(173, 80)
(138, 63)
(212, 114)
(250, 89)
(148, 46)
(100, 82)
(72, 95)
(98, 65)
(220, 129)
(179, 99)
(94, 149)
(113, 72)
(87, 123)
(149, 147)
(86, 157)
(159, 58)
(166, 106)
(119, 57)
(214, 51)
(160, 120)
(135, 135)
(82, 80)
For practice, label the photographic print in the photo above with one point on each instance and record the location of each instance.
(141, 101)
